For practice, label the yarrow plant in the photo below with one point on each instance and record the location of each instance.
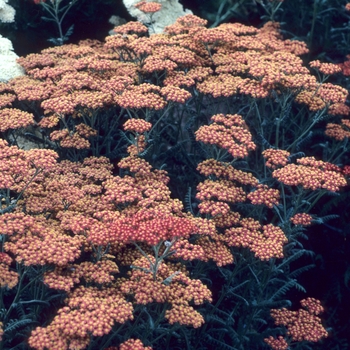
(170, 191)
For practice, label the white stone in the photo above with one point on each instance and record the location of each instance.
(7, 12)
(9, 68)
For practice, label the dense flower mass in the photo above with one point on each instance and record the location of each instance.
(311, 174)
(148, 7)
(302, 324)
(278, 343)
(264, 195)
(266, 241)
(120, 238)
(88, 310)
(302, 219)
(275, 157)
(170, 285)
(229, 132)
(8, 278)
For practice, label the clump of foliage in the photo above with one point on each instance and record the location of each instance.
(171, 191)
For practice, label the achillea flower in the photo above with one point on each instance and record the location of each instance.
(170, 285)
(132, 344)
(179, 79)
(68, 140)
(13, 166)
(275, 157)
(339, 109)
(64, 104)
(314, 103)
(338, 131)
(88, 311)
(49, 122)
(135, 165)
(92, 99)
(148, 7)
(346, 170)
(141, 96)
(184, 315)
(154, 63)
(302, 325)
(122, 190)
(223, 190)
(36, 60)
(331, 93)
(216, 250)
(265, 241)
(85, 130)
(229, 132)
(175, 94)
(311, 174)
(8, 278)
(131, 27)
(225, 85)
(228, 220)
(264, 195)
(6, 99)
(185, 250)
(325, 68)
(150, 226)
(139, 126)
(278, 343)
(302, 219)
(12, 118)
(41, 244)
(27, 88)
(186, 24)
(64, 278)
(212, 36)
(214, 208)
(227, 171)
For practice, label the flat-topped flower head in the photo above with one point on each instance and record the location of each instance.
(148, 7)
(302, 219)
(302, 325)
(139, 126)
(229, 132)
(278, 343)
(264, 195)
(276, 157)
(311, 174)
(131, 27)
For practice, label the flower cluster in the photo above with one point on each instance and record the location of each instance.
(88, 311)
(148, 7)
(229, 132)
(338, 131)
(64, 278)
(170, 285)
(275, 157)
(325, 68)
(302, 324)
(278, 343)
(302, 219)
(264, 195)
(311, 174)
(266, 241)
(11, 118)
(137, 125)
(227, 171)
(8, 278)
(40, 243)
